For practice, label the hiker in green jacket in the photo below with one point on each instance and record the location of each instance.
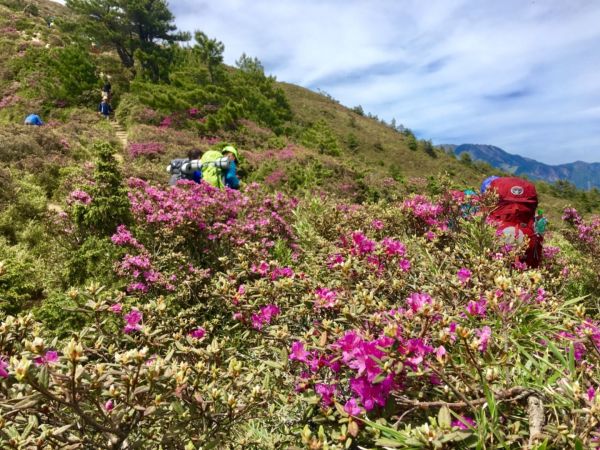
(219, 168)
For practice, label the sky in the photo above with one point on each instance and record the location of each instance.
(522, 75)
(519, 74)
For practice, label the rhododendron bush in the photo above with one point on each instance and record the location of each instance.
(253, 320)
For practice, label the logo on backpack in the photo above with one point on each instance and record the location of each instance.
(517, 190)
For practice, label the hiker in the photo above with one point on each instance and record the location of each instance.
(106, 91)
(105, 108)
(192, 172)
(218, 168)
(33, 119)
(514, 215)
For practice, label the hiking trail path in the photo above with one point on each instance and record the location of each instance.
(121, 135)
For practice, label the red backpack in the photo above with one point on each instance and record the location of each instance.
(515, 214)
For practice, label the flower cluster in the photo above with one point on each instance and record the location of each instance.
(79, 196)
(145, 149)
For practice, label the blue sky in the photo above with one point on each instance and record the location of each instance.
(522, 75)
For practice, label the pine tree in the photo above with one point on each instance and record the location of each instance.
(128, 25)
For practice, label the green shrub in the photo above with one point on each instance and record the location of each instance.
(29, 204)
(109, 206)
(20, 278)
(320, 137)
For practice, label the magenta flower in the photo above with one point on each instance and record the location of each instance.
(440, 352)
(351, 408)
(394, 247)
(299, 353)
(109, 405)
(116, 308)
(377, 224)
(79, 196)
(281, 272)
(404, 265)
(133, 319)
(464, 275)
(417, 301)
(257, 321)
(326, 298)
(198, 333)
(484, 337)
(372, 394)
(327, 392)
(49, 358)
(3, 367)
(363, 245)
(477, 308)
(541, 295)
(465, 423)
(591, 393)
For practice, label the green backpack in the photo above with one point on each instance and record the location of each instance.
(210, 173)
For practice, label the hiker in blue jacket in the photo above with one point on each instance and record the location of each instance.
(105, 109)
(231, 179)
(33, 119)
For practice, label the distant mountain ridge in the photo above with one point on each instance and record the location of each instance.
(581, 174)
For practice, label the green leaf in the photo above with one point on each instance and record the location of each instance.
(444, 418)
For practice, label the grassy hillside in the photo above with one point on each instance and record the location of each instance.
(341, 299)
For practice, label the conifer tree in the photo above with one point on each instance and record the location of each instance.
(128, 25)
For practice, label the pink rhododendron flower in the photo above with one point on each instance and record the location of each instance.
(109, 405)
(49, 358)
(79, 196)
(298, 352)
(372, 394)
(262, 269)
(351, 408)
(377, 224)
(3, 367)
(591, 393)
(477, 308)
(464, 275)
(132, 320)
(327, 392)
(198, 333)
(484, 337)
(465, 423)
(541, 295)
(404, 265)
(124, 237)
(281, 272)
(335, 260)
(265, 316)
(326, 298)
(440, 352)
(363, 245)
(116, 308)
(417, 300)
(393, 247)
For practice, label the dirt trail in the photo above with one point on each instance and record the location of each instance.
(121, 134)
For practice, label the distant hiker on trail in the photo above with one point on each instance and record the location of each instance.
(33, 119)
(105, 109)
(192, 172)
(107, 91)
(514, 215)
(217, 168)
